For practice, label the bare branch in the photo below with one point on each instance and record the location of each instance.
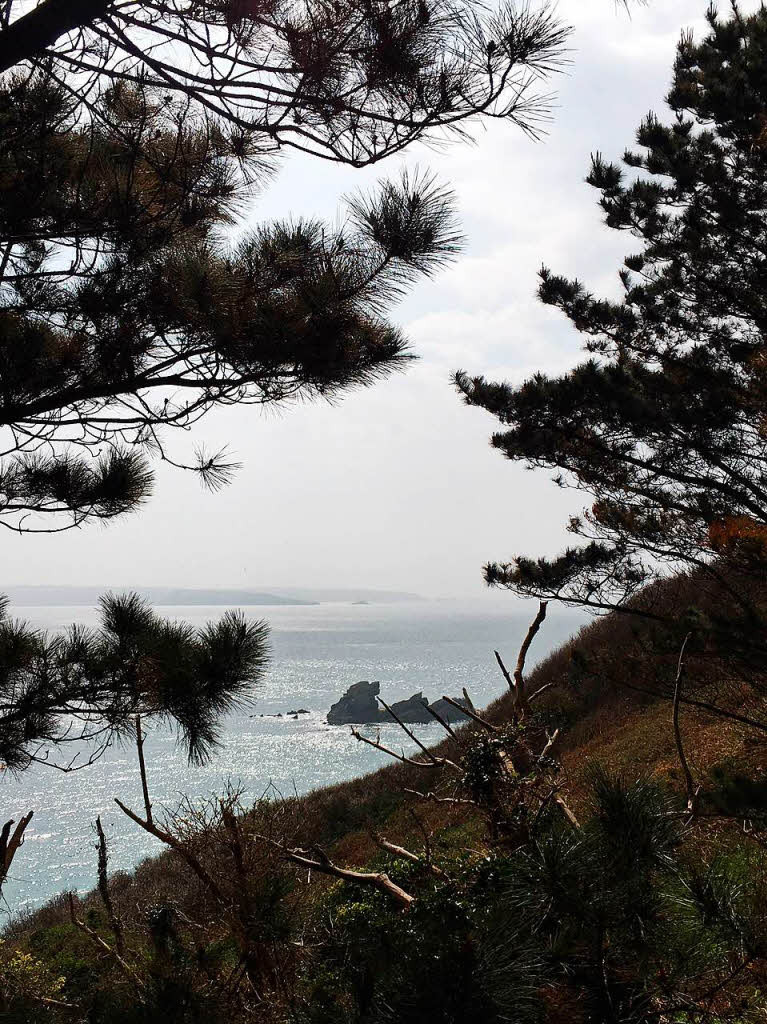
(689, 785)
(472, 714)
(401, 852)
(322, 863)
(519, 679)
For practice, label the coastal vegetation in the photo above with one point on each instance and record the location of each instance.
(593, 846)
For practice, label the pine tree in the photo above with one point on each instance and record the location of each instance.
(131, 135)
(664, 423)
(85, 687)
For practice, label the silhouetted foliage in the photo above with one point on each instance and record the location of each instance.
(664, 423)
(86, 686)
(131, 136)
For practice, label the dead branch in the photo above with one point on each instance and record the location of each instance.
(540, 690)
(401, 852)
(690, 790)
(550, 741)
(442, 721)
(505, 671)
(472, 714)
(103, 886)
(173, 843)
(106, 948)
(322, 863)
(441, 761)
(520, 700)
(559, 799)
(434, 799)
(10, 843)
(392, 753)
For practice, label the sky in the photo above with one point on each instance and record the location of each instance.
(396, 486)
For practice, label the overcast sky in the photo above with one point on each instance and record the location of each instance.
(396, 486)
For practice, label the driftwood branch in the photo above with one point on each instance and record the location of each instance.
(10, 843)
(689, 784)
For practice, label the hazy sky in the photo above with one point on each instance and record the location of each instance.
(396, 486)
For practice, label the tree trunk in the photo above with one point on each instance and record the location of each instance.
(30, 35)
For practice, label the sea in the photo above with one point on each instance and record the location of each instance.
(318, 651)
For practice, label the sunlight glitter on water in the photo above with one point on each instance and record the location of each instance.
(317, 652)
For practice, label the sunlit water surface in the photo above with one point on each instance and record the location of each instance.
(317, 652)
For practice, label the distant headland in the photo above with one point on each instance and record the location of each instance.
(62, 595)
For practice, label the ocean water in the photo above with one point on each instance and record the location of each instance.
(317, 652)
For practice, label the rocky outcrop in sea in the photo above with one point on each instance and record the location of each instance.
(359, 706)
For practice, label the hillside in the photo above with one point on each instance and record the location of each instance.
(604, 692)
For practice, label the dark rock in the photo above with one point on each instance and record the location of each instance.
(447, 711)
(413, 710)
(358, 706)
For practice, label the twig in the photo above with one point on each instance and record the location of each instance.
(690, 790)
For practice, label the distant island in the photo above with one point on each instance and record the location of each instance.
(63, 595)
